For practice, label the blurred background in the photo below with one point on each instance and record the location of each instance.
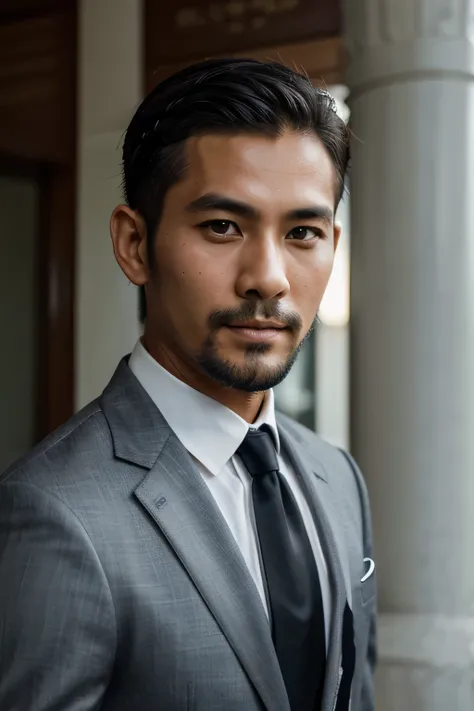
(389, 370)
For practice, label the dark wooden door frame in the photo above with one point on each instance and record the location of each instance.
(54, 322)
(56, 343)
(49, 157)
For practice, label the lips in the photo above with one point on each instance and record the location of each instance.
(259, 325)
(257, 331)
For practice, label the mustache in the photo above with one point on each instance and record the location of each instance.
(252, 310)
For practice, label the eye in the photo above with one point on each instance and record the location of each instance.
(304, 234)
(221, 228)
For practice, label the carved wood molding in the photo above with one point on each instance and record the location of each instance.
(301, 33)
(183, 30)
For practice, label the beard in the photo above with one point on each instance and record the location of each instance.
(254, 374)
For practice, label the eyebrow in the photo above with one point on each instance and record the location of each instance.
(214, 201)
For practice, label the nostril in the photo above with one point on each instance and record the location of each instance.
(253, 294)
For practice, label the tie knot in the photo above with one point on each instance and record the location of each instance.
(258, 453)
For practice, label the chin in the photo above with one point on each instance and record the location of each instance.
(254, 372)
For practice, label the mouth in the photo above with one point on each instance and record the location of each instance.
(258, 331)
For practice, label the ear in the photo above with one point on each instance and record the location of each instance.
(129, 238)
(337, 234)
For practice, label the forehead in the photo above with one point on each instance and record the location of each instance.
(282, 171)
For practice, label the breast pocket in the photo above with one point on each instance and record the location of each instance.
(368, 585)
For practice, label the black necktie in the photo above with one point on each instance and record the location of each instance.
(291, 574)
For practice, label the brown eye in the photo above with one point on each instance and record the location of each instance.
(222, 228)
(304, 234)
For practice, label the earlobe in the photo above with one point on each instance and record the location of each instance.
(129, 235)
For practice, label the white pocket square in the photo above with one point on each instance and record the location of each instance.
(370, 569)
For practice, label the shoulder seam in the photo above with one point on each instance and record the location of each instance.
(14, 470)
(360, 484)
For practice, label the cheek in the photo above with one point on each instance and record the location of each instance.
(190, 283)
(309, 281)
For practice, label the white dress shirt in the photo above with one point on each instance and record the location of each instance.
(212, 433)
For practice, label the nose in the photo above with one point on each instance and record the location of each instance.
(263, 271)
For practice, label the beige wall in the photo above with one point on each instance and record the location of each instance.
(110, 55)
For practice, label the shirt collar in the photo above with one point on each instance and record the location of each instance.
(209, 431)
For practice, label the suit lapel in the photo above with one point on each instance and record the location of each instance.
(179, 501)
(313, 480)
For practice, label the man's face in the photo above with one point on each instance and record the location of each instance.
(243, 254)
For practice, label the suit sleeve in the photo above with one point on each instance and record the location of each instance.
(57, 621)
(367, 702)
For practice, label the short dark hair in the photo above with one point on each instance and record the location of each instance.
(221, 95)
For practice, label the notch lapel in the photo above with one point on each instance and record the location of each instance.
(313, 480)
(177, 498)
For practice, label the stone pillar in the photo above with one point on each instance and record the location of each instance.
(412, 335)
(110, 87)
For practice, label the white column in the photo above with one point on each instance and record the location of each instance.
(110, 82)
(412, 199)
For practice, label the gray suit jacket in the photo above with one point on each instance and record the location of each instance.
(122, 588)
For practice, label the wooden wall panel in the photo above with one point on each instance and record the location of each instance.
(35, 88)
(31, 7)
(323, 60)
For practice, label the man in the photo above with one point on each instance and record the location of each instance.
(177, 545)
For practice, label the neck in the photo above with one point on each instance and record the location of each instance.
(246, 405)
